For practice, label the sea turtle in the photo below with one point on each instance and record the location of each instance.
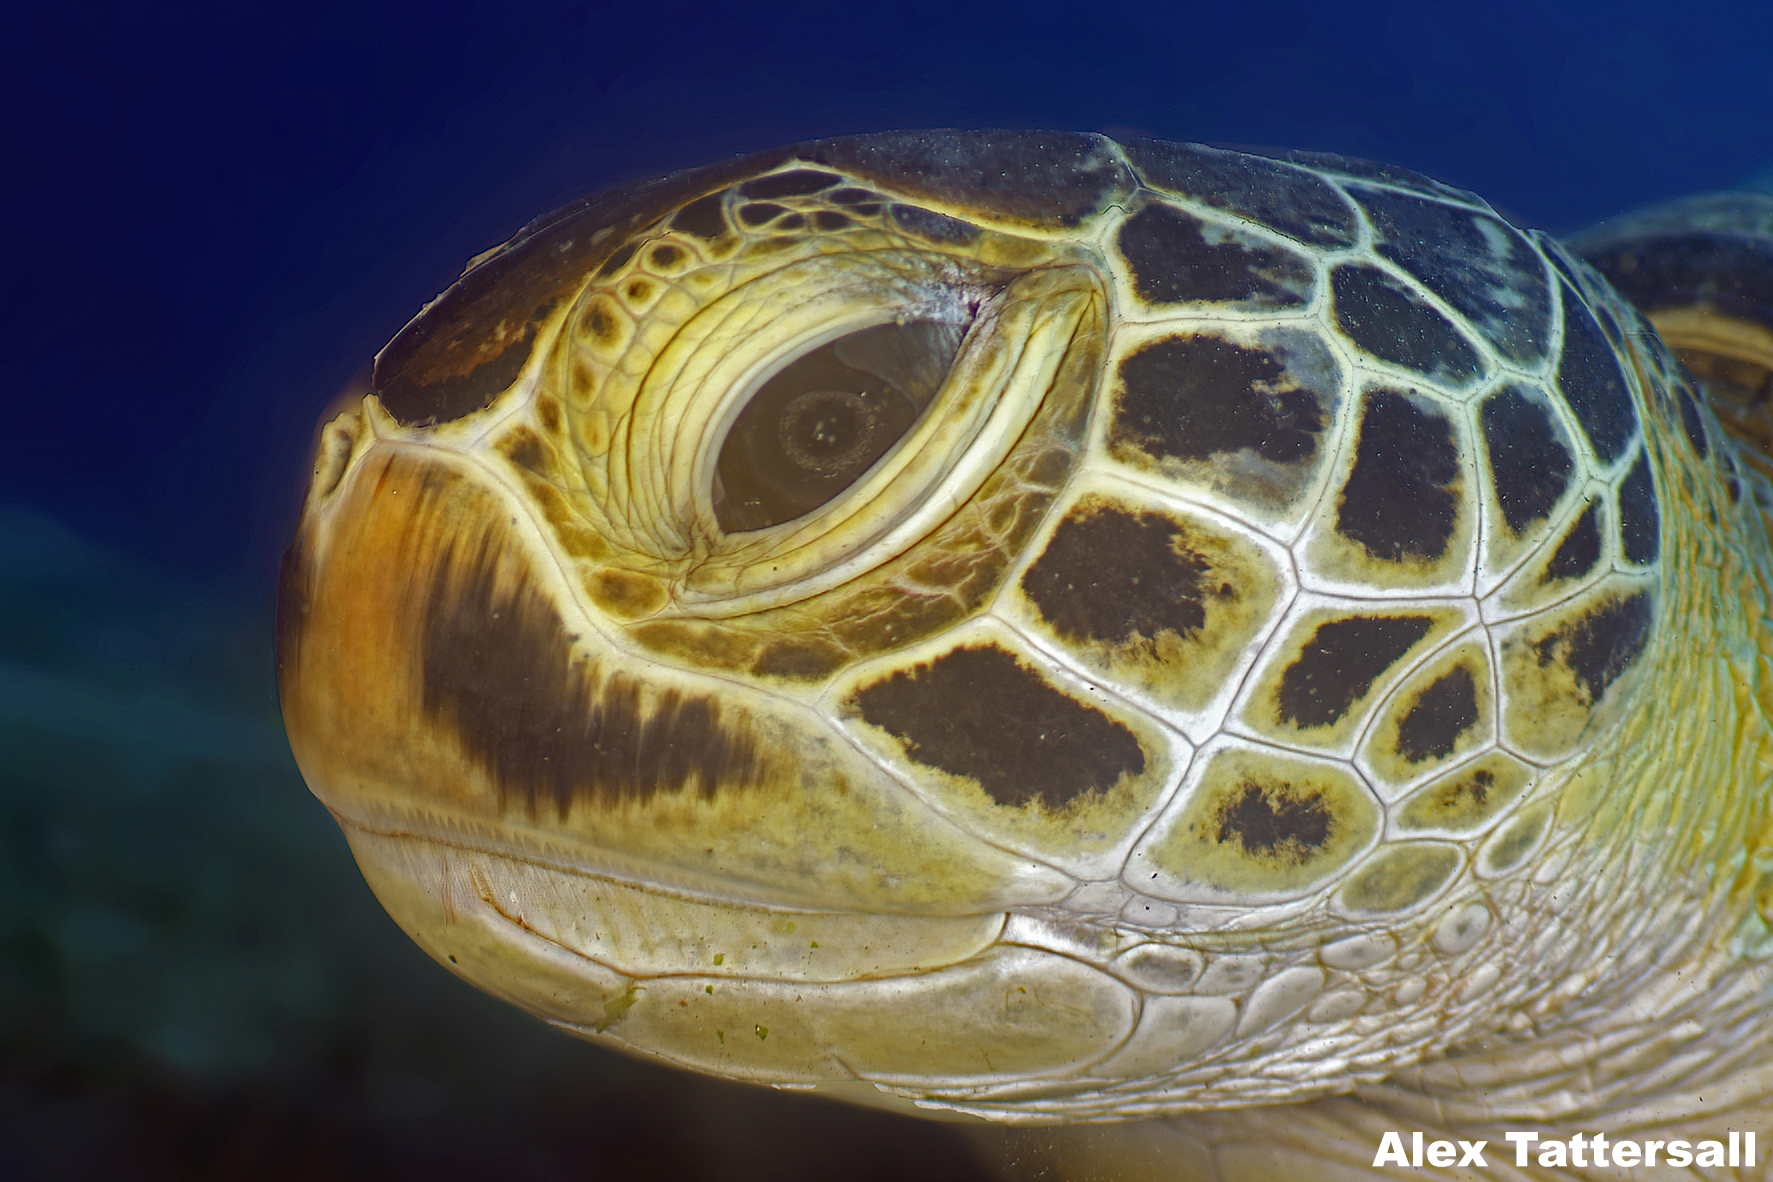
(1068, 631)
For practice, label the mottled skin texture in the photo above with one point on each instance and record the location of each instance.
(1301, 643)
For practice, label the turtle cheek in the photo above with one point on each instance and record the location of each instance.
(357, 587)
(424, 668)
(441, 689)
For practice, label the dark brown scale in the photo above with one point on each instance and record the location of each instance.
(1390, 174)
(1194, 397)
(1401, 499)
(797, 182)
(525, 450)
(1580, 550)
(1275, 821)
(979, 712)
(600, 324)
(1530, 468)
(1172, 262)
(1340, 663)
(1046, 178)
(799, 660)
(1588, 375)
(617, 260)
(1602, 645)
(1439, 717)
(702, 217)
(1388, 320)
(448, 398)
(548, 411)
(853, 196)
(932, 226)
(1112, 575)
(1554, 253)
(760, 212)
(1290, 200)
(1476, 264)
(1694, 422)
(1640, 519)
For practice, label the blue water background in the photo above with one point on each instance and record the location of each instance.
(214, 215)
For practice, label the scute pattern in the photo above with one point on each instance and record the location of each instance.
(1259, 825)
(1472, 260)
(1382, 316)
(1529, 461)
(1439, 717)
(1164, 603)
(1579, 551)
(1280, 535)
(1441, 713)
(1401, 498)
(1242, 417)
(1086, 767)
(1340, 662)
(1560, 669)
(1194, 398)
(977, 712)
(1177, 258)
(1591, 382)
(1467, 799)
(1110, 574)
(1291, 201)
(1640, 521)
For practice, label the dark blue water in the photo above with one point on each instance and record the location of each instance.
(214, 218)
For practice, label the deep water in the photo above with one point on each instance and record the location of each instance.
(213, 219)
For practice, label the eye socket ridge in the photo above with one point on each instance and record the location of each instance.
(819, 424)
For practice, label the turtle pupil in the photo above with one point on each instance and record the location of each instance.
(828, 431)
(818, 425)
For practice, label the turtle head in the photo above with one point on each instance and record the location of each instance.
(1022, 621)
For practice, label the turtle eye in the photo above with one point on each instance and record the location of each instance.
(821, 422)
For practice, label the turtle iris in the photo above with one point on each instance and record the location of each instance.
(812, 430)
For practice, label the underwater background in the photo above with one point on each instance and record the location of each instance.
(214, 215)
